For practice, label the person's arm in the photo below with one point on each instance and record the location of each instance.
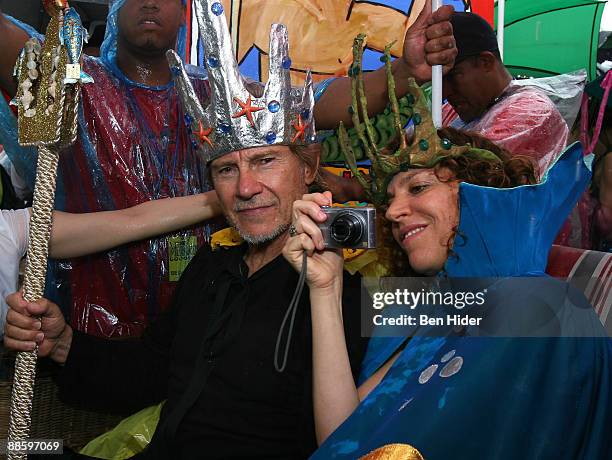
(126, 375)
(115, 376)
(429, 41)
(334, 392)
(342, 189)
(335, 395)
(13, 41)
(75, 235)
(108, 375)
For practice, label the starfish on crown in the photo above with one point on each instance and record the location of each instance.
(247, 109)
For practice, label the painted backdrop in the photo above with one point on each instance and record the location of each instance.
(321, 32)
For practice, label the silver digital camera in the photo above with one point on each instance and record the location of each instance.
(349, 227)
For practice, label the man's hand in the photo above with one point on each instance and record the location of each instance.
(40, 322)
(429, 41)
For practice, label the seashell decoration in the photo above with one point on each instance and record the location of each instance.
(52, 89)
(27, 99)
(32, 53)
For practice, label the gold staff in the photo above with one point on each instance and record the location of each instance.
(49, 77)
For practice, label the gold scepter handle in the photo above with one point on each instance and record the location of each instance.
(48, 109)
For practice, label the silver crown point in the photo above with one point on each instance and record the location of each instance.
(235, 117)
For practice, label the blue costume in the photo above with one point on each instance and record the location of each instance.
(460, 396)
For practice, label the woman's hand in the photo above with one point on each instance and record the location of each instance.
(324, 267)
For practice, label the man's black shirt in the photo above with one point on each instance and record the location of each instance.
(211, 356)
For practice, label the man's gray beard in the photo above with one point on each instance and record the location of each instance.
(260, 240)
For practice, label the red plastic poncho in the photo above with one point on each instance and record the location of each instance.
(523, 121)
(132, 147)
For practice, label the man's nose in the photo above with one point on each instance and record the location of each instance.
(151, 4)
(248, 184)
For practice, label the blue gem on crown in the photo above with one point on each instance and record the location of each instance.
(213, 62)
(274, 106)
(224, 128)
(217, 9)
(271, 137)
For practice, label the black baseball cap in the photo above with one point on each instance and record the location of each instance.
(473, 35)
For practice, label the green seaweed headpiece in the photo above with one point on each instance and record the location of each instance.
(424, 150)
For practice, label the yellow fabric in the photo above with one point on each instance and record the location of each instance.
(353, 254)
(128, 438)
(357, 259)
(394, 452)
(367, 264)
(345, 172)
(225, 238)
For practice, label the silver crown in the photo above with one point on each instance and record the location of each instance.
(235, 119)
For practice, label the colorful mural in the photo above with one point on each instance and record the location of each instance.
(321, 32)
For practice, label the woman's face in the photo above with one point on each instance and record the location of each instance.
(424, 212)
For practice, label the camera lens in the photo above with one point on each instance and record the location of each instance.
(347, 229)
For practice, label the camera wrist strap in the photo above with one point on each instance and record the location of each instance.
(291, 311)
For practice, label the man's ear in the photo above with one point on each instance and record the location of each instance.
(311, 167)
(487, 60)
